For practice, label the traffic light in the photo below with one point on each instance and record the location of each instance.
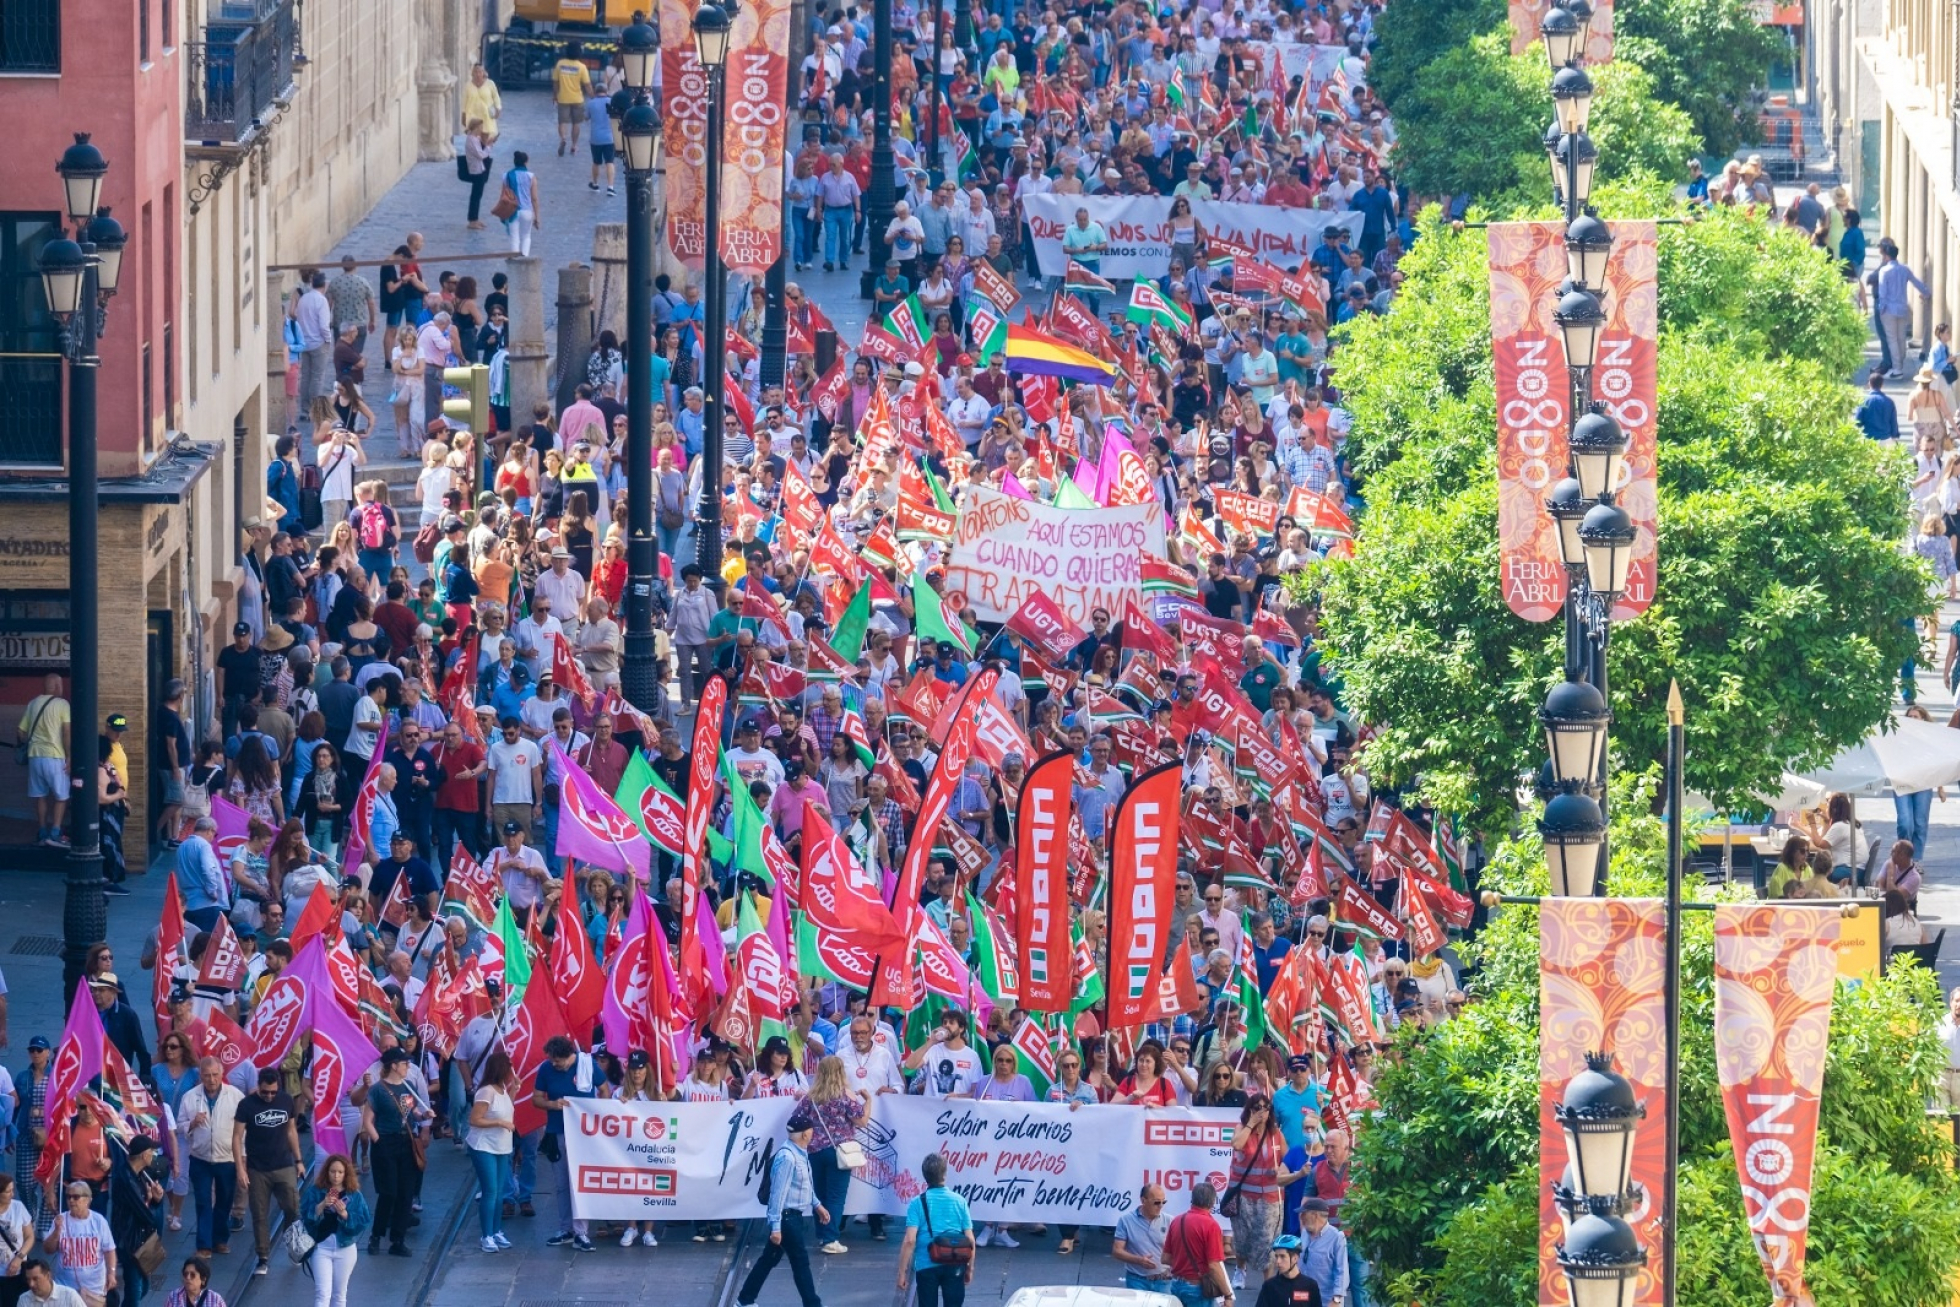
(472, 409)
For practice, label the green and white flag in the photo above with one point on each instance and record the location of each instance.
(1034, 1050)
(648, 800)
(989, 328)
(1149, 307)
(908, 322)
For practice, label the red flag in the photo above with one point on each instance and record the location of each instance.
(1360, 913)
(1176, 991)
(1041, 927)
(759, 604)
(540, 1017)
(170, 951)
(833, 390)
(739, 405)
(217, 1035)
(800, 507)
(1426, 933)
(1141, 632)
(1043, 624)
(1143, 876)
(576, 975)
(224, 957)
(320, 916)
(568, 672)
(395, 909)
(700, 804)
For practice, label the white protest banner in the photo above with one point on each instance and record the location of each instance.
(1082, 558)
(1139, 230)
(670, 1161)
(1018, 1162)
(1187, 1146)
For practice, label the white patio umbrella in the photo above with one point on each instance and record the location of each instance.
(1911, 756)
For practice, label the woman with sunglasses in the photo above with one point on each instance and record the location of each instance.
(1219, 1087)
(1259, 1173)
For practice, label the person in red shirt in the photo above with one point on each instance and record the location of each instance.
(395, 617)
(857, 162)
(603, 757)
(459, 805)
(1194, 1248)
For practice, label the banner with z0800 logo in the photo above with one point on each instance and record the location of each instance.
(667, 1161)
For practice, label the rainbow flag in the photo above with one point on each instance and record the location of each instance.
(1036, 353)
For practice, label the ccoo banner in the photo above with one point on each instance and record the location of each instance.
(1775, 972)
(1139, 230)
(1187, 1146)
(1527, 262)
(1599, 988)
(670, 1161)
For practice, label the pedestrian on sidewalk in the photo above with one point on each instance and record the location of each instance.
(792, 1196)
(942, 1256)
(210, 1116)
(565, 1073)
(267, 1145)
(493, 1123)
(336, 1215)
(523, 185)
(1890, 282)
(388, 1119)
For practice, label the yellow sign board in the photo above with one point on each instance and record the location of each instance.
(1858, 950)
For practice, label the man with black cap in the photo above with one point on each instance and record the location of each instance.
(238, 670)
(417, 778)
(792, 1198)
(388, 1119)
(265, 1140)
(403, 860)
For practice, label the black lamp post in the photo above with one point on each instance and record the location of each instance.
(712, 24)
(639, 135)
(883, 195)
(78, 277)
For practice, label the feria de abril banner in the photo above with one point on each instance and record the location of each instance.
(1010, 1161)
(1527, 262)
(1775, 973)
(756, 78)
(1528, 15)
(1600, 965)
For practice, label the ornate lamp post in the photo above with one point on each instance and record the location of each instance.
(712, 25)
(639, 134)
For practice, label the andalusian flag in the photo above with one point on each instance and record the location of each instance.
(987, 326)
(1082, 279)
(847, 637)
(853, 729)
(993, 953)
(1149, 307)
(969, 160)
(1089, 989)
(1249, 997)
(1070, 495)
(908, 322)
(517, 959)
(1108, 709)
(929, 617)
(1249, 125)
(1034, 1049)
(1174, 90)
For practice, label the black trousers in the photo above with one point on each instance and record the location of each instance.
(394, 1187)
(942, 1286)
(477, 183)
(795, 1246)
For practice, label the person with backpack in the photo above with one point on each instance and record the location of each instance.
(375, 528)
(789, 1189)
(282, 483)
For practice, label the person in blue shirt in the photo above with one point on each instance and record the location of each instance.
(1697, 184)
(1269, 950)
(1323, 1251)
(936, 1216)
(1294, 1100)
(565, 1073)
(792, 1199)
(1878, 416)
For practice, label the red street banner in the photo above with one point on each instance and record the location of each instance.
(1527, 262)
(1142, 885)
(1600, 965)
(1041, 884)
(756, 77)
(1775, 972)
(684, 131)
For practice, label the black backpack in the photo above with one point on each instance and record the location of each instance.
(768, 1165)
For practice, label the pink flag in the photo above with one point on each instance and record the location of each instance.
(778, 928)
(341, 1052)
(285, 1009)
(1088, 479)
(591, 827)
(1011, 484)
(712, 946)
(234, 825)
(77, 1061)
(623, 1012)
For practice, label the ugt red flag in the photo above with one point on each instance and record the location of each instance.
(538, 1018)
(576, 978)
(1041, 915)
(1142, 887)
(1043, 624)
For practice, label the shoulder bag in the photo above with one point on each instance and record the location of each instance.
(1212, 1282)
(24, 740)
(506, 206)
(1228, 1205)
(944, 1249)
(298, 1241)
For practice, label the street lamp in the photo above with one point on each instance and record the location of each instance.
(1608, 535)
(712, 25)
(1574, 157)
(78, 277)
(1572, 93)
(1588, 244)
(1598, 449)
(1574, 831)
(1599, 1116)
(1580, 318)
(1568, 504)
(1575, 718)
(1564, 37)
(639, 135)
(1601, 1258)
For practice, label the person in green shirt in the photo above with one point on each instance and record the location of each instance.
(1262, 676)
(1295, 350)
(890, 290)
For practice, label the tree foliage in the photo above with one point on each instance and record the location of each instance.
(1409, 41)
(1707, 56)
(1466, 124)
(1783, 603)
(1447, 1176)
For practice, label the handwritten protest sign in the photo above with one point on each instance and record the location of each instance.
(1082, 558)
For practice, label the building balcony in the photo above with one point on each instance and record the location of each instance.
(240, 71)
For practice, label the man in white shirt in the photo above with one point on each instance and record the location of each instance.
(313, 316)
(1259, 370)
(562, 588)
(948, 1064)
(433, 345)
(208, 1113)
(869, 1069)
(522, 870)
(516, 779)
(967, 411)
(752, 762)
(533, 635)
(338, 455)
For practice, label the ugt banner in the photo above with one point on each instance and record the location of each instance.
(670, 1161)
(1184, 1147)
(1139, 230)
(1599, 988)
(1021, 1162)
(1775, 974)
(1527, 262)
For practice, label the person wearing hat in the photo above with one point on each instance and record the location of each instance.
(134, 1192)
(237, 675)
(1323, 1256)
(792, 1201)
(119, 1021)
(1285, 1286)
(389, 1118)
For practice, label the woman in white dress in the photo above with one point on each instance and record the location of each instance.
(410, 419)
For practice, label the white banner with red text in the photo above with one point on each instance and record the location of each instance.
(1139, 230)
(670, 1161)
(1082, 558)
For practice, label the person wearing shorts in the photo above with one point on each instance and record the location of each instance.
(571, 86)
(43, 728)
(604, 150)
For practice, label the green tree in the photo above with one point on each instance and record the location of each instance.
(1409, 39)
(1783, 606)
(1446, 1189)
(1707, 56)
(1465, 125)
